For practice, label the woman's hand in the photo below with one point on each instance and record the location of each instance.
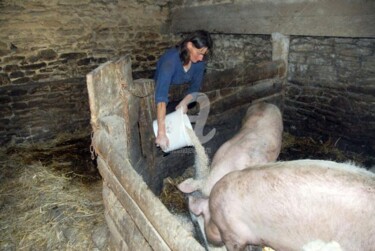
(162, 141)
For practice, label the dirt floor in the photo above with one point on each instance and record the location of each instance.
(50, 194)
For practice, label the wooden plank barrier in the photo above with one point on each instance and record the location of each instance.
(122, 111)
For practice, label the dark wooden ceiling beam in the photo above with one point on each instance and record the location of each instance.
(339, 18)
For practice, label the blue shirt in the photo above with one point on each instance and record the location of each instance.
(170, 71)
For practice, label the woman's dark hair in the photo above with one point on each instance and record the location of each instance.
(199, 39)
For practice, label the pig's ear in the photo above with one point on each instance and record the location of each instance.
(187, 186)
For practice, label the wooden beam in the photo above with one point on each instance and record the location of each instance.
(338, 18)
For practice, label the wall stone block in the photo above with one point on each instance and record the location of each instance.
(21, 80)
(4, 79)
(13, 59)
(73, 55)
(47, 54)
(39, 77)
(11, 68)
(16, 74)
(3, 52)
(33, 66)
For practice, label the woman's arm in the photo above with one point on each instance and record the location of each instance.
(161, 139)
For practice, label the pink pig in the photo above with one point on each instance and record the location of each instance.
(288, 205)
(257, 142)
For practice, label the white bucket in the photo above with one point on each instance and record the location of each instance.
(175, 126)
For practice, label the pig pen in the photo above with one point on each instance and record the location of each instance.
(133, 169)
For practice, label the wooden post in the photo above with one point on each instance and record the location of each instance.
(280, 50)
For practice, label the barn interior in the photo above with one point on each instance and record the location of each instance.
(314, 59)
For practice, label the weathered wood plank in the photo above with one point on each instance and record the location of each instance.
(165, 224)
(105, 92)
(116, 242)
(115, 127)
(144, 88)
(350, 18)
(136, 226)
(123, 222)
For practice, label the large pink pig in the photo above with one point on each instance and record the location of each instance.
(257, 142)
(290, 205)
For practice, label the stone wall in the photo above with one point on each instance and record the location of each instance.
(232, 50)
(37, 111)
(42, 42)
(52, 45)
(330, 94)
(49, 40)
(331, 91)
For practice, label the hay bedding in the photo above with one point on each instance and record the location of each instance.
(50, 198)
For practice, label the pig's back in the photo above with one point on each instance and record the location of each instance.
(295, 202)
